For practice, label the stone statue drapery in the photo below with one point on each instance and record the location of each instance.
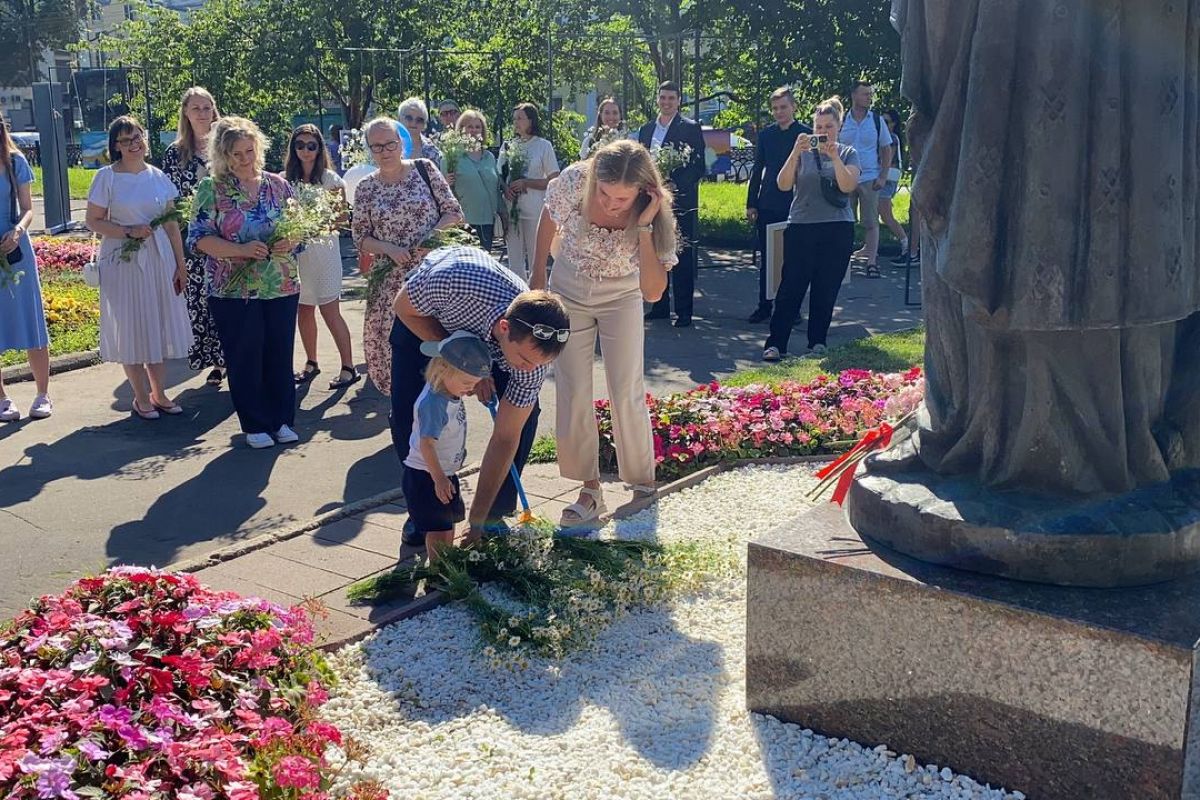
(1059, 159)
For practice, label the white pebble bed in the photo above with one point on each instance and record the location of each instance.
(655, 710)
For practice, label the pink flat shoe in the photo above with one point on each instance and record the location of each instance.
(151, 414)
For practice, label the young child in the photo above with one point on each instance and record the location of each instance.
(438, 444)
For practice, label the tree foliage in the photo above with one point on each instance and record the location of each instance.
(32, 26)
(276, 59)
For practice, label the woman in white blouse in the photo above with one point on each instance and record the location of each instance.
(526, 193)
(610, 221)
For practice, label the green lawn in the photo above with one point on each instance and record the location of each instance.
(80, 181)
(887, 352)
(723, 215)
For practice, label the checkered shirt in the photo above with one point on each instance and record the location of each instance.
(465, 289)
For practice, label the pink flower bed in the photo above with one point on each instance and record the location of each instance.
(58, 256)
(715, 423)
(145, 685)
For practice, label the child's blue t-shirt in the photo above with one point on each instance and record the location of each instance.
(445, 419)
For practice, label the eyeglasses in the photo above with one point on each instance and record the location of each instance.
(126, 141)
(545, 332)
(445, 112)
(414, 120)
(388, 146)
(311, 147)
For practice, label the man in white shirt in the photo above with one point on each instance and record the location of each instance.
(868, 134)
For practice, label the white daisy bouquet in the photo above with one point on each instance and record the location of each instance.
(456, 144)
(354, 149)
(605, 136)
(179, 213)
(516, 156)
(671, 157)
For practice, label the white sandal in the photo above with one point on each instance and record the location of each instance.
(582, 514)
(643, 490)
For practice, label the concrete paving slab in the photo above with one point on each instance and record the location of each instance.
(341, 559)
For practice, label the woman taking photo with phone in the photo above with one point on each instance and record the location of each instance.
(820, 232)
(610, 223)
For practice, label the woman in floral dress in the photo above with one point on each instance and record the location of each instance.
(254, 288)
(395, 209)
(185, 163)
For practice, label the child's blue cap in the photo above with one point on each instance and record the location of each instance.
(464, 351)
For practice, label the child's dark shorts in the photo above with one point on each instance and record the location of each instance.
(426, 511)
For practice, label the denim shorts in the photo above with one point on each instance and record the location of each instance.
(889, 190)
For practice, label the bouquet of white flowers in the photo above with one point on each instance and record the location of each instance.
(516, 156)
(447, 237)
(605, 136)
(456, 144)
(180, 213)
(671, 157)
(354, 149)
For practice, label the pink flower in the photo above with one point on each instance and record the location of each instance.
(296, 772)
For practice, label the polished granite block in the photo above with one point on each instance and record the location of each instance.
(1062, 693)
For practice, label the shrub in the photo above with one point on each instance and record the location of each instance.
(142, 684)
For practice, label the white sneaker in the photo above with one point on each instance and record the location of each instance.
(771, 354)
(286, 435)
(817, 351)
(41, 408)
(259, 440)
(9, 411)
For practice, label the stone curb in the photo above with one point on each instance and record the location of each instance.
(58, 364)
(435, 598)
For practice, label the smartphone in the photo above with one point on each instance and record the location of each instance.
(817, 139)
(15, 256)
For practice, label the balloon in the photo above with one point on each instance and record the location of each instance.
(354, 176)
(402, 132)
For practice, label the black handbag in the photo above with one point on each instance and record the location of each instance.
(15, 256)
(829, 188)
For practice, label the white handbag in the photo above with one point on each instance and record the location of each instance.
(91, 270)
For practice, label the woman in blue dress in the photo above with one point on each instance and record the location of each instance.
(22, 318)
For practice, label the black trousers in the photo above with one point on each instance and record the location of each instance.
(766, 216)
(815, 255)
(682, 279)
(257, 337)
(408, 379)
(487, 235)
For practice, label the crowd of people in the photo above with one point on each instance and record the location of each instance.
(588, 245)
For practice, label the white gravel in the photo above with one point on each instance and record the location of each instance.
(654, 711)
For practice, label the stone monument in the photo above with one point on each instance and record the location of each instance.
(1045, 636)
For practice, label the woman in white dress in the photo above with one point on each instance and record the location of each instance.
(527, 192)
(143, 314)
(320, 263)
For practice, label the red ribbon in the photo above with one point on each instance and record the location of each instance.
(875, 439)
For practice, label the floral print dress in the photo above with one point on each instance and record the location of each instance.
(206, 346)
(222, 208)
(403, 214)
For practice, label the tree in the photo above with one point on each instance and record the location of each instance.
(39, 25)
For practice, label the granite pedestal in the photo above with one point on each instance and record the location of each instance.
(1062, 693)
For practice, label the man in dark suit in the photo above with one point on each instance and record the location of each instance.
(671, 128)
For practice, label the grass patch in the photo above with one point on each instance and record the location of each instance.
(78, 178)
(723, 216)
(543, 451)
(72, 315)
(887, 352)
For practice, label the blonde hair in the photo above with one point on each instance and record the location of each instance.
(438, 370)
(185, 139)
(627, 162)
(831, 106)
(472, 114)
(225, 134)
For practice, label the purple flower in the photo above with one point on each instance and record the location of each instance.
(135, 737)
(112, 717)
(55, 783)
(84, 661)
(92, 751)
